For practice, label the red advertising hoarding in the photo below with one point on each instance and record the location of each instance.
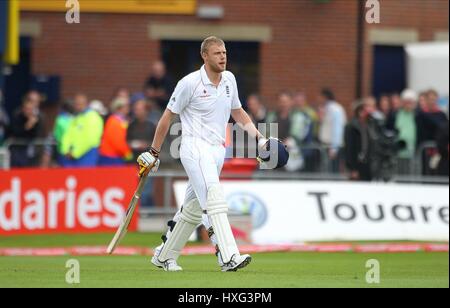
(39, 201)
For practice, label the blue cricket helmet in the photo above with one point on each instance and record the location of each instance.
(276, 155)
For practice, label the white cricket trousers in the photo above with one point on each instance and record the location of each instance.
(203, 163)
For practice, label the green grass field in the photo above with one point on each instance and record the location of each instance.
(267, 270)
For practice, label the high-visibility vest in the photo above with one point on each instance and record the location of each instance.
(114, 141)
(83, 134)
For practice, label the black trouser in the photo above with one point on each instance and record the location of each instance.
(365, 172)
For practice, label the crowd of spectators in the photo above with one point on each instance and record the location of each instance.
(392, 129)
(89, 133)
(397, 129)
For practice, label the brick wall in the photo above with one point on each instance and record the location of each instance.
(313, 44)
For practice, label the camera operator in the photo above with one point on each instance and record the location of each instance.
(371, 148)
(385, 147)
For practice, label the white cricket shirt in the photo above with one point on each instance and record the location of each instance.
(205, 109)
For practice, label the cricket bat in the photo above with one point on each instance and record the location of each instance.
(120, 233)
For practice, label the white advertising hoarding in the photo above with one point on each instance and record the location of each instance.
(288, 212)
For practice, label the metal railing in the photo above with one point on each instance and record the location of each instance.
(36, 142)
(42, 144)
(315, 155)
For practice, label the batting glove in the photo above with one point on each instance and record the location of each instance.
(148, 162)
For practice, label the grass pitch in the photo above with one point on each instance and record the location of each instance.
(267, 270)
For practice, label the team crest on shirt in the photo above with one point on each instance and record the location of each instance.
(205, 94)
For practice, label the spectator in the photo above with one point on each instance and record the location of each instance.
(282, 116)
(140, 135)
(310, 154)
(384, 106)
(443, 146)
(236, 144)
(119, 93)
(395, 105)
(26, 126)
(396, 102)
(405, 123)
(100, 108)
(62, 124)
(141, 130)
(114, 150)
(293, 129)
(291, 123)
(370, 102)
(158, 86)
(35, 98)
(256, 109)
(136, 97)
(357, 144)
(122, 92)
(153, 112)
(4, 121)
(431, 118)
(435, 107)
(423, 103)
(301, 103)
(81, 141)
(331, 133)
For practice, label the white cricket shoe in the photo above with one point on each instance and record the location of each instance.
(237, 262)
(169, 265)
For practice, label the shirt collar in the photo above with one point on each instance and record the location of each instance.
(205, 78)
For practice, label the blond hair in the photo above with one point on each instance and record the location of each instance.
(211, 40)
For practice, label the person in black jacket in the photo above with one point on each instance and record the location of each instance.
(141, 131)
(357, 144)
(159, 85)
(140, 135)
(430, 121)
(443, 147)
(25, 127)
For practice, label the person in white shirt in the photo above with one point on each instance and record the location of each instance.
(332, 127)
(204, 99)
